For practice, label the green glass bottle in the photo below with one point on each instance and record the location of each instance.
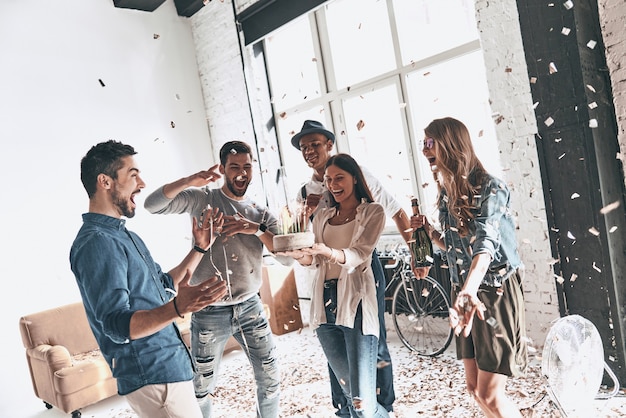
(421, 246)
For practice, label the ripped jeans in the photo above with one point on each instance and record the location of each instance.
(210, 330)
(352, 358)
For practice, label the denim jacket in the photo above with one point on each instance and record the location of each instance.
(117, 276)
(492, 231)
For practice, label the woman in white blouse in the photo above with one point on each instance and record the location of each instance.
(344, 310)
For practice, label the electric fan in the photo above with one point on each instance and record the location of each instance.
(573, 363)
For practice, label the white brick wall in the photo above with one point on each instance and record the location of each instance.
(507, 77)
(613, 24)
(221, 73)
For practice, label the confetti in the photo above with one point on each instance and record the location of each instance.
(610, 207)
(552, 68)
(382, 364)
(596, 268)
(591, 44)
(573, 277)
(593, 123)
(549, 121)
(594, 231)
(101, 82)
(156, 36)
(574, 196)
(568, 4)
(172, 124)
(565, 31)
(593, 105)
(570, 235)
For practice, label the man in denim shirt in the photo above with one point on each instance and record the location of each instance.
(131, 304)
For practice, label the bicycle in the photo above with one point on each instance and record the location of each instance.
(419, 307)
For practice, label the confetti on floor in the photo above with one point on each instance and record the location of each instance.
(425, 387)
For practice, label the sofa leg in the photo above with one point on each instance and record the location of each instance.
(76, 414)
(48, 406)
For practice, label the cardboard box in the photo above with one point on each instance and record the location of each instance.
(279, 293)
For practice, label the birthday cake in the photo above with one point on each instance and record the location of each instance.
(293, 241)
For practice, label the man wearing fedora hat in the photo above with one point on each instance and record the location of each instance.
(316, 143)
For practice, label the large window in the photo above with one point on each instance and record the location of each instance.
(376, 72)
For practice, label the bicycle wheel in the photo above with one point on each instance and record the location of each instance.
(420, 310)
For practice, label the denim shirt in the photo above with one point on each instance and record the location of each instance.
(117, 277)
(492, 231)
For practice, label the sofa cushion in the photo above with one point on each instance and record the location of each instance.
(86, 369)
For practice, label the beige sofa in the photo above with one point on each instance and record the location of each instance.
(66, 367)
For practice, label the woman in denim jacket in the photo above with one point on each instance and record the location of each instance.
(344, 308)
(478, 237)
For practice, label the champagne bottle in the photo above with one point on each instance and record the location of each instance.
(421, 246)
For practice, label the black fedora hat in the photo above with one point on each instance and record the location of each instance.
(311, 127)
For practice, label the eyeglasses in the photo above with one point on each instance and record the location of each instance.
(428, 143)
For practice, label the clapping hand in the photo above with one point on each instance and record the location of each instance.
(208, 227)
(238, 224)
(192, 298)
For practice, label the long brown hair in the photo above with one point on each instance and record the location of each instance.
(459, 171)
(349, 164)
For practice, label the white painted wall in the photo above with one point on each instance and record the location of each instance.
(52, 110)
(509, 91)
(613, 21)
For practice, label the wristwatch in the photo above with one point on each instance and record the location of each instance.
(261, 230)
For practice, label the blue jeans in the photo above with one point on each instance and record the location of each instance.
(210, 330)
(384, 374)
(352, 357)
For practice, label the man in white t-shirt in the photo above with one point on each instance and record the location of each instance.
(316, 144)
